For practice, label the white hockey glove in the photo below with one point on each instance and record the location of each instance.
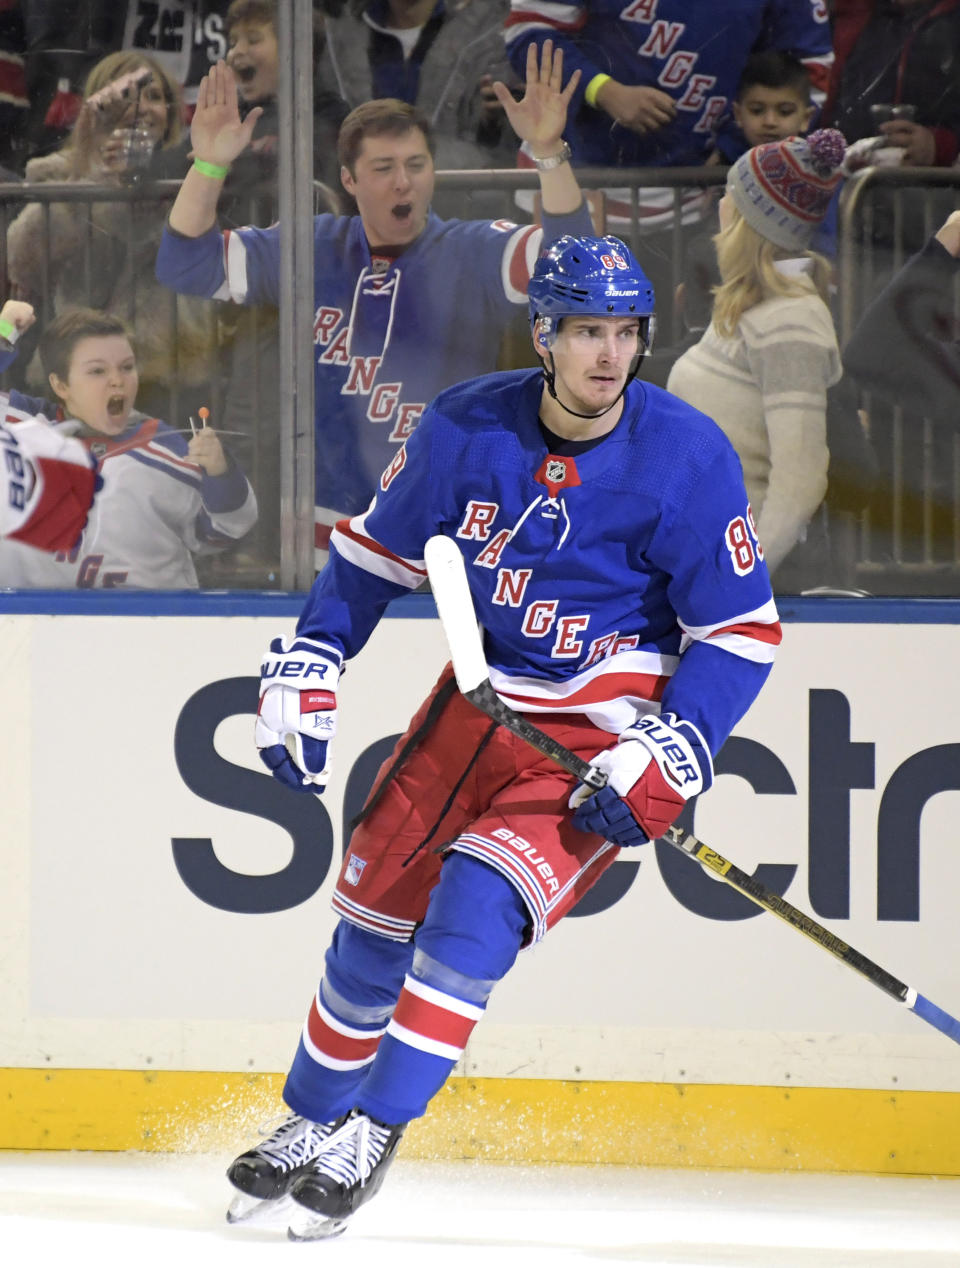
(297, 717)
(657, 765)
(47, 483)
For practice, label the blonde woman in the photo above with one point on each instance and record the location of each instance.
(125, 91)
(92, 254)
(763, 366)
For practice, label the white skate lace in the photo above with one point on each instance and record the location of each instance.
(353, 1151)
(296, 1141)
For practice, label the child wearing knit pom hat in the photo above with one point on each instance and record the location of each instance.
(763, 365)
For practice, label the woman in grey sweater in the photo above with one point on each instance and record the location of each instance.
(763, 365)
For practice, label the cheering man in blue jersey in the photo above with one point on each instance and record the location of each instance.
(406, 304)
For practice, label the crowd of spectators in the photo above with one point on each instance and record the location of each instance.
(409, 297)
(101, 254)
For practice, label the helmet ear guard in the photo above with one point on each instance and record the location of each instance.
(545, 331)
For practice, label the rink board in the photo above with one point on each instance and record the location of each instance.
(164, 906)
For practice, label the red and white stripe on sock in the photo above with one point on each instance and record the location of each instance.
(334, 1044)
(432, 1020)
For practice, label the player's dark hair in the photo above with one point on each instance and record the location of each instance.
(774, 69)
(384, 116)
(66, 330)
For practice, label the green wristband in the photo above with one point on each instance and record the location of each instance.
(8, 331)
(594, 86)
(213, 170)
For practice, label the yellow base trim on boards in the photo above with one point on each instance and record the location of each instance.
(509, 1120)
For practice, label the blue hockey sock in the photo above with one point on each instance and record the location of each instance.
(346, 1022)
(469, 939)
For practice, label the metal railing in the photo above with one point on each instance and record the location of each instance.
(908, 539)
(907, 542)
(621, 202)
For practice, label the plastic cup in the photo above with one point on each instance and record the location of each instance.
(135, 149)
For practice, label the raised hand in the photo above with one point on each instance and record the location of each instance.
(541, 116)
(18, 314)
(113, 100)
(99, 115)
(217, 132)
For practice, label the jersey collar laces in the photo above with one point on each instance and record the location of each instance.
(552, 508)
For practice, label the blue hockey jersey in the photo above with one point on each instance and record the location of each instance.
(387, 339)
(625, 580)
(693, 50)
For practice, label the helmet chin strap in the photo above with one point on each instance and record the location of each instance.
(549, 377)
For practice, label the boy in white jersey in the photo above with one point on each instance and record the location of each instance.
(163, 498)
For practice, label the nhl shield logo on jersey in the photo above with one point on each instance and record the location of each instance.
(354, 870)
(557, 473)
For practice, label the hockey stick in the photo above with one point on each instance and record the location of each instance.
(451, 592)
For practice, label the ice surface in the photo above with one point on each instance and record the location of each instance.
(165, 1211)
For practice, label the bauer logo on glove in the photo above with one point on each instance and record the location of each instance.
(672, 753)
(283, 667)
(657, 765)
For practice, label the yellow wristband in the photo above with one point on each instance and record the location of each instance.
(213, 170)
(594, 86)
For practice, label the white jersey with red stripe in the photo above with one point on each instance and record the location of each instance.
(154, 509)
(613, 584)
(388, 334)
(47, 481)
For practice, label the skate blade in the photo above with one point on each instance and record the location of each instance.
(264, 1212)
(305, 1226)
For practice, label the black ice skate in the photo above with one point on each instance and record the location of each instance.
(348, 1172)
(265, 1174)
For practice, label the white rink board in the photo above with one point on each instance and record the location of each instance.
(108, 960)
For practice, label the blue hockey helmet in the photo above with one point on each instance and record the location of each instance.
(596, 277)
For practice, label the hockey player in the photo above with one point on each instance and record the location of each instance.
(406, 303)
(47, 480)
(616, 572)
(163, 498)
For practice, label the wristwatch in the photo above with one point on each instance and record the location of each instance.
(554, 160)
